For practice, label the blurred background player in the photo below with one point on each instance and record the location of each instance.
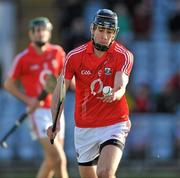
(31, 67)
(102, 121)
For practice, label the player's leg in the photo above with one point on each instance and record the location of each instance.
(63, 161)
(88, 171)
(54, 160)
(46, 169)
(60, 166)
(59, 143)
(87, 149)
(47, 174)
(111, 148)
(108, 161)
(54, 156)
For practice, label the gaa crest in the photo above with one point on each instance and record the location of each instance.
(107, 71)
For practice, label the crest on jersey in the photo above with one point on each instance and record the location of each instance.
(107, 71)
(54, 63)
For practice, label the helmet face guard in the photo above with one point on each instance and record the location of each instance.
(107, 19)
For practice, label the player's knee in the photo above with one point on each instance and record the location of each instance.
(57, 161)
(105, 173)
(52, 160)
(60, 160)
(49, 163)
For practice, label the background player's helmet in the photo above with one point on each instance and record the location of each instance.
(107, 19)
(40, 21)
(37, 22)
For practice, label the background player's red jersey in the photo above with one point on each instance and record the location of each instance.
(32, 68)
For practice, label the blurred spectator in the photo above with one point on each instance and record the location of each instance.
(174, 82)
(143, 99)
(166, 100)
(131, 4)
(1, 73)
(130, 101)
(169, 99)
(71, 9)
(174, 23)
(142, 20)
(75, 35)
(125, 23)
(68, 10)
(138, 141)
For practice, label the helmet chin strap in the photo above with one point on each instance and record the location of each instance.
(39, 43)
(100, 47)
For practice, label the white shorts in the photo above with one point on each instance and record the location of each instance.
(88, 141)
(40, 120)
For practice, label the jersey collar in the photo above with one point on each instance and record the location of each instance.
(32, 49)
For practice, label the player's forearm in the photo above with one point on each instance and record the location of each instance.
(120, 83)
(55, 100)
(119, 93)
(12, 88)
(56, 97)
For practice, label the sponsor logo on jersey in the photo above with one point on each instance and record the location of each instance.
(34, 67)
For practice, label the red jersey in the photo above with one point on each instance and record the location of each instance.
(90, 72)
(31, 68)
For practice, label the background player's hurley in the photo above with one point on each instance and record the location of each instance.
(48, 88)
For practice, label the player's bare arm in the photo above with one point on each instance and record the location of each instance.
(72, 84)
(11, 86)
(56, 95)
(54, 105)
(120, 83)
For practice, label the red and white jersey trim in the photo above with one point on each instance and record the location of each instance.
(73, 52)
(128, 58)
(16, 61)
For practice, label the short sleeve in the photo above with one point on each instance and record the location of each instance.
(60, 58)
(15, 71)
(125, 62)
(68, 68)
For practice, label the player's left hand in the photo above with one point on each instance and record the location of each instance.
(108, 98)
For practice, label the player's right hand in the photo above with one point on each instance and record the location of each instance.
(50, 133)
(33, 103)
